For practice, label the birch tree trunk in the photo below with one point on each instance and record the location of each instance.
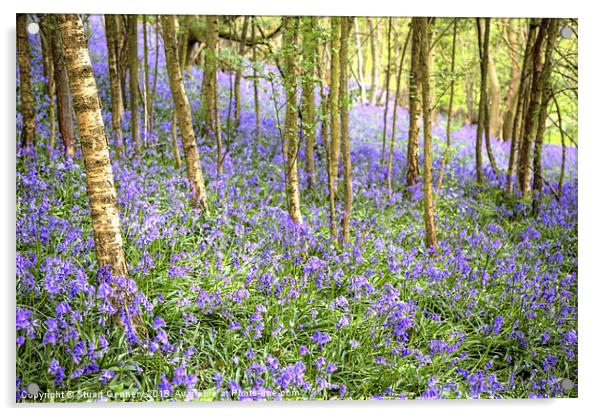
(184, 116)
(100, 186)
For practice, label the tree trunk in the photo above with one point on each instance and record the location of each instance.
(485, 116)
(373, 27)
(239, 69)
(49, 73)
(495, 121)
(100, 186)
(471, 116)
(482, 101)
(387, 82)
(309, 103)
(510, 103)
(155, 72)
(360, 62)
(291, 128)
(424, 74)
(449, 109)
(123, 57)
(335, 126)
(27, 110)
(323, 111)
(174, 140)
(184, 116)
(413, 170)
(147, 121)
(116, 102)
(546, 95)
(394, 121)
(521, 105)
(255, 78)
(346, 23)
(563, 162)
(532, 113)
(209, 88)
(133, 68)
(63, 99)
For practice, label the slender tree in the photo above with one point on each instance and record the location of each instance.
(238, 76)
(335, 122)
(310, 55)
(546, 96)
(510, 102)
(290, 29)
(100, 186)
(482, 100)
(394, 121)
(521, 105)
(147, 114)
(116, 101)
(133, 73)
(63, 93)
(532, 112)
(123, 56)
(346, 23)
(360, 62)
(374, 35)
(255, 77)
(387, 83)
(450, 107)
(183, 113)
(155, 73)
(49, 74)
(495, 120)
(487, 112)
(182, 27)
(424, 75)
(210, 113)
(413, 170)
(27, 110)
(563, 161)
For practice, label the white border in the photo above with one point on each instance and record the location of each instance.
(590, 153)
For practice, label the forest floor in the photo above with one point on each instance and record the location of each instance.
(244, 304)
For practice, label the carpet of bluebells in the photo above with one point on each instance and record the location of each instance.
(245, 305)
